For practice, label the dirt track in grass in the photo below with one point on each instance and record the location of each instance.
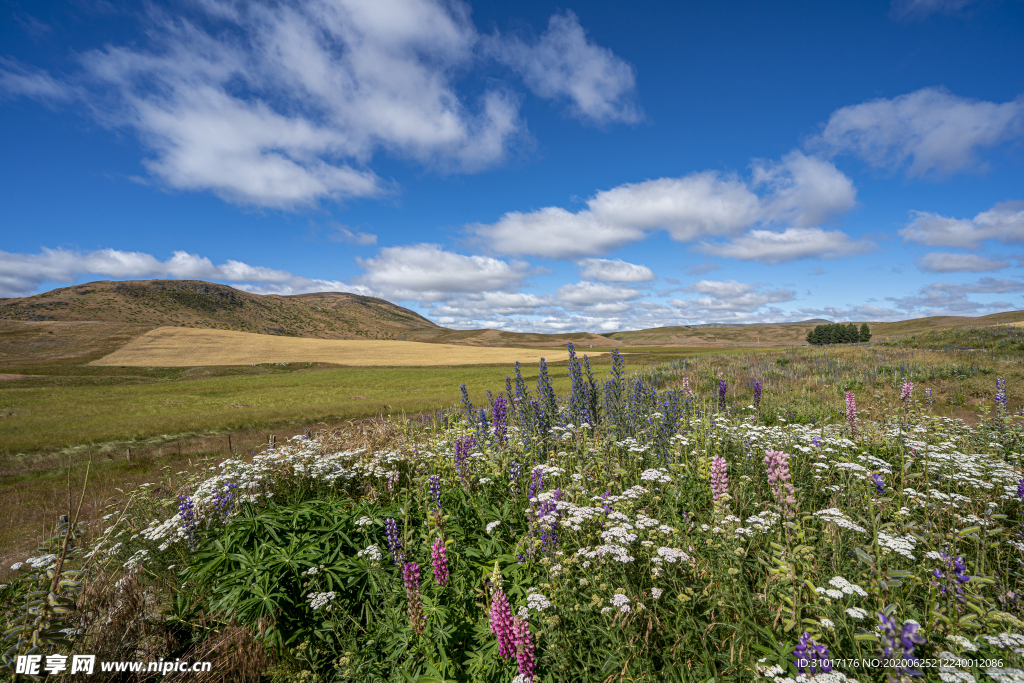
(182, 347)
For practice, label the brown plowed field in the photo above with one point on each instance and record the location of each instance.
(178, 347)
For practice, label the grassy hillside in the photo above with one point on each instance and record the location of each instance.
(194, 303)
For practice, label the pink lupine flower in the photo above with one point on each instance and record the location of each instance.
(524, 649)
(779, 480)
(906, 391)
(851, 411)
(719, 478)
(439, 561)
(686, 387)
(501, 623)
(411, 576)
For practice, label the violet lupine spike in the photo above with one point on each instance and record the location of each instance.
(1001, 394)
(779, 480)
(719, 478)
(906, 391)
(851, 411)
(515, 470)
(187, 512)
(434, 484)
(757, 394)
(876, 479)
(1020, 490)
(686, 387)
(536, 483)
(811, 657)
(722, 388)
(392, 540)
(439, 561)
(499, 416)
(464, 445)
(411, 577)
(501, 623)
(524, 649)
(898, 645)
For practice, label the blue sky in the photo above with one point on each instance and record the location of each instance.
(530, 167)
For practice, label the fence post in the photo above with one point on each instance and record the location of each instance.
(129, 454)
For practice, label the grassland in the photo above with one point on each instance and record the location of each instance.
(176, 347)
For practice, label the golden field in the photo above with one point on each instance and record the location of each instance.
(184, 347)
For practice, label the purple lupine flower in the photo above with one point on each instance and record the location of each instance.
(224, 501)
(411, 578)
(928, 396)
(536, 483)
(524, 649)
(392, 479)
(187, 512)
(434, 484)
(876, 479)
(816, 442)
(952, 578)
(501, 622)
(1020, 490)
(811, 657)
(757, 394)
(499, 416)
(851, 411)
(719, 479)
(605, 505)
(779, 480)
(898, 645)
(906, 391)
(439, 561)
(722, 388)
(464, 445)
(515, 470)
(1001, 394)
(392, 540)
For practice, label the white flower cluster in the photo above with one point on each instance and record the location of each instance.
(856, 613)
(364, 521)
(318, 600)
(656, 593)
(139, 556)
(659, 475)
(372, 552)
(645, 522)
(616, 552)
(670, 555)
(847, 587)
(621, 601)
(1005, 675)
(619, 534)
(838, 517)
(491, 526)
(1014, 641)
(312, 571)
(830, 592)
(963, 643)
(904, 545)
(537, 602)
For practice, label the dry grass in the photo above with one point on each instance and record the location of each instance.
(180, 347)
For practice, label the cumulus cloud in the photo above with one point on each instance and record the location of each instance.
(426, 272)
(729, 300)
(280, 104)
(614, 270)
(564, 65)
(589, 294)
(951, 299)
(769, 246)
(22, 274)
(918, 9)
(927, 132)
(1003, 222)
(944, 262)
(798, 190)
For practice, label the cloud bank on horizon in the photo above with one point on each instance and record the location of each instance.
(332, 108)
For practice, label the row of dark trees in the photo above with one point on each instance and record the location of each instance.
(837, 333)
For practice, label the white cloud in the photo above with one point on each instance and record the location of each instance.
(798, 190)
(729, 300)
(614, 270)
(280, 104)
(916, 9)
(564, 64)
(592, 293)
(929, 131)
(341, 233)
(426, 272)
(768, 246)
(944, 262)
(986, 285)
(1003, 222)
(951, 299)
(22, 274)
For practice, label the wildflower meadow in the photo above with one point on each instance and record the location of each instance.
(654, 526)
